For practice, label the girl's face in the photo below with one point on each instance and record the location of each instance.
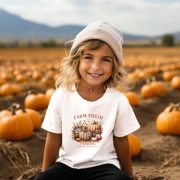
(96, 66)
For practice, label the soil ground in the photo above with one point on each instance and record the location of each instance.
(159, 157)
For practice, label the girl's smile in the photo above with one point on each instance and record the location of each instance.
(95, 75)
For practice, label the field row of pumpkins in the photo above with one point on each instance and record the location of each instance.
(13, 78)
(18, 123)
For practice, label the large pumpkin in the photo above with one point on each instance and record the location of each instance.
(134, 145)
(16, 127)
(34, 116)
(4, 113)
(153, 89)
(159, 88)
(168, 121)
(36, 101)
(147, 91)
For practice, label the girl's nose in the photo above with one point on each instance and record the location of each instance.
(95, 64)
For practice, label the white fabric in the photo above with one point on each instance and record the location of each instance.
(103, 31)
(87, 127)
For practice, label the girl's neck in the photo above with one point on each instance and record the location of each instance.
(90, 92)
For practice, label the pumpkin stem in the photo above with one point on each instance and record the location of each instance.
(15, 106)
(177, 106)
(174, 107)
(149, 80)
(32, 92)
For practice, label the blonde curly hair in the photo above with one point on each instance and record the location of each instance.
(69, 70)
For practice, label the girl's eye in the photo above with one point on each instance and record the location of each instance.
(88, 57)
(107, 60)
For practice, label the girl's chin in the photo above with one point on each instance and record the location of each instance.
(95, 84)
(93, 81)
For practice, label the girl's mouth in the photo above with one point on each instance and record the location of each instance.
(95, 74)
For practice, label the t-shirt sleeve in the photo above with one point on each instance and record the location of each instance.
(52, 119)
(126, 121)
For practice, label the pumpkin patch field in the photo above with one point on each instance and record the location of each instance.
(27, 81)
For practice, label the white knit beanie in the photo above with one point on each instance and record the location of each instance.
(103, 31)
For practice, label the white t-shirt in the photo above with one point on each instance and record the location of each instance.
(88, 127)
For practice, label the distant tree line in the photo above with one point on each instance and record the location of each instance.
(51, 43)
(166, 40)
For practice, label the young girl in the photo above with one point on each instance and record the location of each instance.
(88, 120)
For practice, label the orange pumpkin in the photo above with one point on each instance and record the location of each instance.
(36, 75)
(134, 145)
(47, 81)
(168, 75)
(36, 101)
(21, 78)
(9, 89)
(175, 82)
(15, 127)
(168, 121)
(7, 76)
(34, 116)
(147, 91)
(4, 113)
(133, 98)
(153, 89)
(159, 88)
(134, 76)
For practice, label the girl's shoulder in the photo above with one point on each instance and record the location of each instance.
(118, 96)
(116, 93)
(62, 91)
(59, 91)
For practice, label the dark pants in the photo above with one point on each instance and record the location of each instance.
(60, 171)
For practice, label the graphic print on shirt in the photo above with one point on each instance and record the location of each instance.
(89, 131)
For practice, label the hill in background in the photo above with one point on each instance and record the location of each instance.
(15, 28)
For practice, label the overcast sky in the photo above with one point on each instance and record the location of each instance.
(142, 17)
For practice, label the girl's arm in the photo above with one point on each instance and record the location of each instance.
(52, 145)
(122, 149)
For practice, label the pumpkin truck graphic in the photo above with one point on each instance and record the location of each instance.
(87, 131)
